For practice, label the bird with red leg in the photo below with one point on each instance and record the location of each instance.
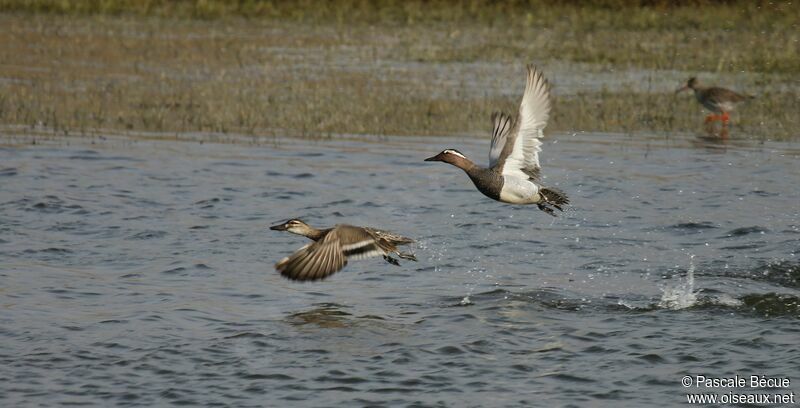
(720, 101)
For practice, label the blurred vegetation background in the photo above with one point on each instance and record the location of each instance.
(321, 68)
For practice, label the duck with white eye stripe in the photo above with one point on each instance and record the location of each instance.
(513, 172)
(333, 247)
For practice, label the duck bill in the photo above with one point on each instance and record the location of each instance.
(279, 227)
(438, 157)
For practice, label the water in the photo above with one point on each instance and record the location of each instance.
(140, 274)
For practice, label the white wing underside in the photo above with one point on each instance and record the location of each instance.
(534, 111)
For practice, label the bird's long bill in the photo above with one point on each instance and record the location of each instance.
(681, 89)
(438, 157)
(279, 227)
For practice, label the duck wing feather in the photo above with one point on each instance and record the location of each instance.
(520, 154)
(314, 261)
(361, 243)
(501, 127)
(330, 254)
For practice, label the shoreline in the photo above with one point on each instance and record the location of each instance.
(234, 75)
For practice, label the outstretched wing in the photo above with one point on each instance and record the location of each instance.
(315, 261)
(320, 259)
(501, 127)
(520, 155)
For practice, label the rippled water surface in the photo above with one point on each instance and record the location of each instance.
(141, 273)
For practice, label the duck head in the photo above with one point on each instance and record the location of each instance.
(453, 157)
(692, 83)
(295, 226)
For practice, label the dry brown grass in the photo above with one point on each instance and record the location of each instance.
(267, 77)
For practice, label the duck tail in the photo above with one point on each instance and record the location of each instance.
(400, 240)
(407, 255)
(554, 197)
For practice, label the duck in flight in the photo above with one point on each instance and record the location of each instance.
(333, 247)
(513, 175)
(720, 101)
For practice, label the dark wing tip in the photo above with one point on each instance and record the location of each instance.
(534, 69)
(297, 278)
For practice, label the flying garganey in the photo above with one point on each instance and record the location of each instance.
(513, 175)
(333, 247)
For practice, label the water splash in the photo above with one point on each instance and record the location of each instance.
(437, 252)
(624, 303)
(681, 295)
(473, 283)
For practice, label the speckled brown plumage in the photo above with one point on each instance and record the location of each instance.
(333, 247)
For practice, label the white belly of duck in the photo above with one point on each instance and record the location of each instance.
(518, 191)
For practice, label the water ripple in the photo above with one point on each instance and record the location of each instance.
(144, 275)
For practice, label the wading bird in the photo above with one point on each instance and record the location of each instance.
(719, 101)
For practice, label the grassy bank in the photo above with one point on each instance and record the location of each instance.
(618, 14)
(697, 35)
(428, 68)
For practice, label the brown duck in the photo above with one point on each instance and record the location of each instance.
(720, 101)
(333, 247)
(513, 172)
